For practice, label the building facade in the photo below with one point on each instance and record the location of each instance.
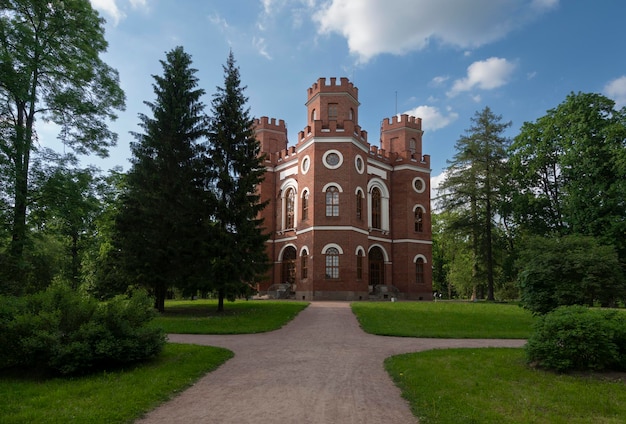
(348, 220)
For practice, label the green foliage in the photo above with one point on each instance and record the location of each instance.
(579, 338)
(50, 68)
(233, 155)
(473, 189)
(566, 173)
(65, 332)
(112, 397)
(570, 270)
(494, 386)
(161, 228)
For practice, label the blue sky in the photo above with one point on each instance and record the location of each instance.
(440, 60)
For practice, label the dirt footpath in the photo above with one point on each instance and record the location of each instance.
(320, 368)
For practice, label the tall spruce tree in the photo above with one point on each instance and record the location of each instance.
(50, 69)
(473, 187)
(161, 220)
(233, 156)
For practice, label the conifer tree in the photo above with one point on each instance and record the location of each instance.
(473, 187)
(161, 220)
(236, 169)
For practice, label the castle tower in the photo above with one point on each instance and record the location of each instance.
(333, 102)
(401, 135)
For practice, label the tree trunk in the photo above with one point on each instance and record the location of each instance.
(159, 298)
(220, 300)
(490, 295)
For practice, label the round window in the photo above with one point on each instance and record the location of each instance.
(306, 164)
(419, 185)
(358, 163)
(332, 159)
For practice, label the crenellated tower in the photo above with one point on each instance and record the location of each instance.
(402, 135)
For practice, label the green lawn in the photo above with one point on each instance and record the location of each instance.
(444, 319)
(240, 317)
(107, 397)
(486, 386)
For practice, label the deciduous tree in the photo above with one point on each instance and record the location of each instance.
(51, 70)
(568, 170)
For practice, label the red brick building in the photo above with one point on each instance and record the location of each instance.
(348, 220)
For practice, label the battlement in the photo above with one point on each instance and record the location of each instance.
(345, 86)
(402, 121)
(264, 123)
(333, 129)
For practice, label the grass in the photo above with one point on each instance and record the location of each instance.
(496, 386)
(108, 397)
(445, 319)
(240, 317)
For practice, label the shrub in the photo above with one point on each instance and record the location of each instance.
(570, 270)
(68, 333)
(579, 338)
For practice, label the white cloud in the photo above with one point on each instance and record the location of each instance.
(432, 118)
(439, 80)
(112, 9)
(616, 90)
(260, 45)
(218, 21)
(486, 75)
(372, 27)
(109, 7)
(435, 181)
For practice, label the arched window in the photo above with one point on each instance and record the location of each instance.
(351, 114)
(289, 265)
(313, 115)
(332, 201)
(332, 263)
(377, 266)
(289, 208)
(305, 205)
(304, 271)
(412, 145)
(359, 205)
(419, 219)
(376, 208)
(359, 265)
(419, 270)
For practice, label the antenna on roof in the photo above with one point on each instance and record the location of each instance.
(396, 102)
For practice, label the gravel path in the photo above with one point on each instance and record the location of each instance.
(319, 368)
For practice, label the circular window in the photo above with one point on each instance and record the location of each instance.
(358, 163)
(419, 185)
(306, 164)
(332, 159)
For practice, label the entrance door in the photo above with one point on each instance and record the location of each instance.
(289, 265)
(377, 267)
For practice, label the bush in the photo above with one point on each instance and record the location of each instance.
(65, 332)
(570, 270)
(579, 338)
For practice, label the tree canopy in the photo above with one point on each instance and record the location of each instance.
(51, 70)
